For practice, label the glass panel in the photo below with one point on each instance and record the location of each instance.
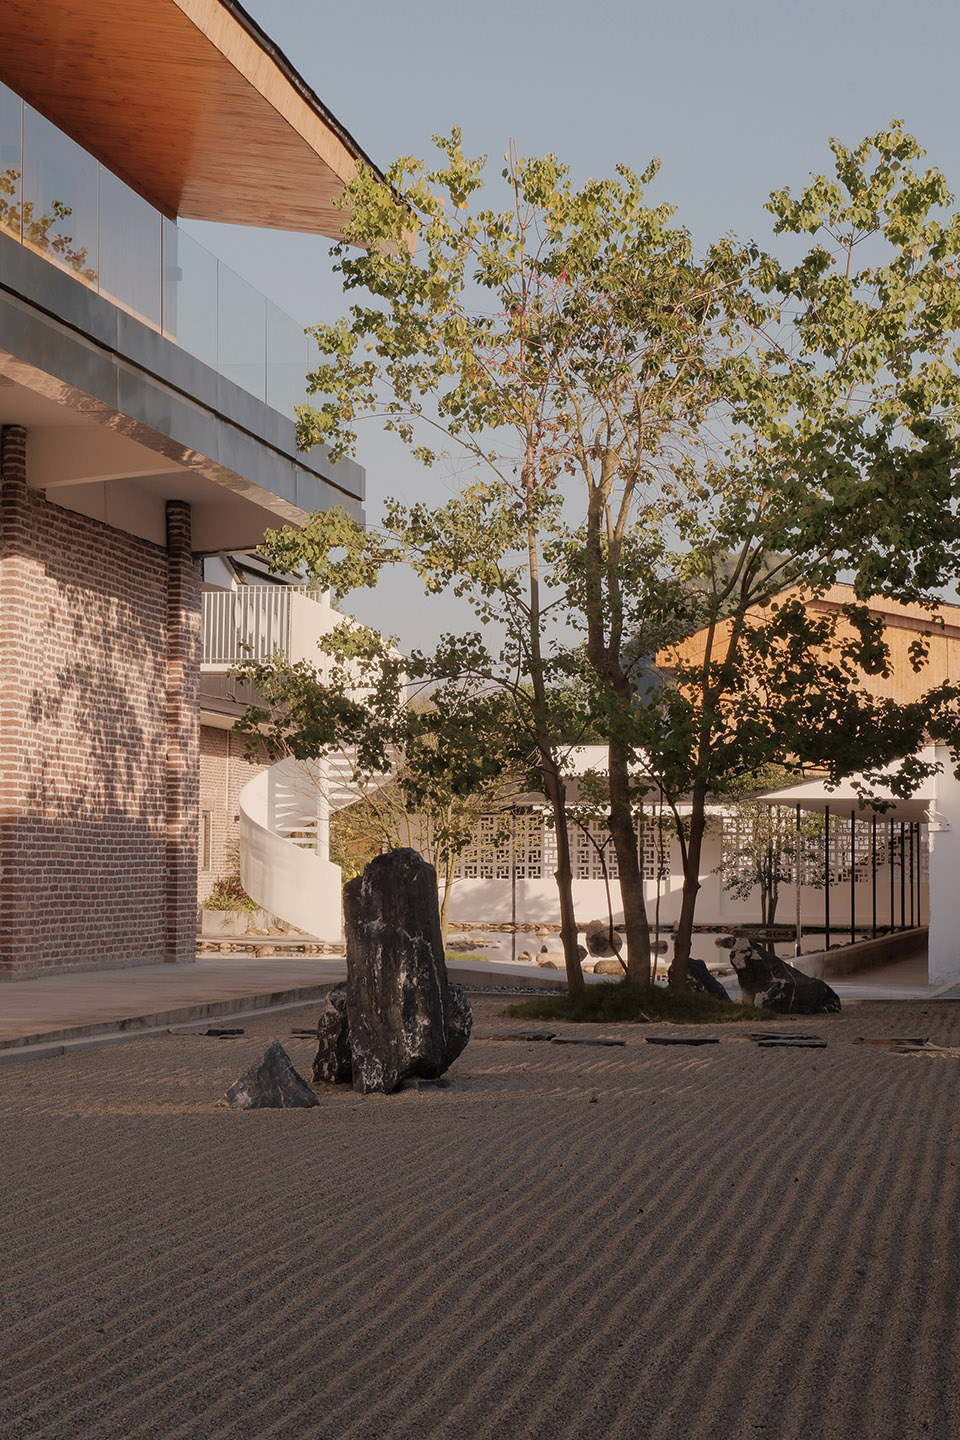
(242, 332)
(58, 200)
(286, 361)
(59, 197)
(189, 294)
(129, 249)
(11, 118)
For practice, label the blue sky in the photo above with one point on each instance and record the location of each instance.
(737, 97)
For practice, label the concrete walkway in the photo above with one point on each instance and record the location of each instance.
(70, 1007)
(58, 1012)
(66, 1010)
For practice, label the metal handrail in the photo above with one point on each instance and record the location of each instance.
(249, 623)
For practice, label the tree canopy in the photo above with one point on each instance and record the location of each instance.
(656, 441)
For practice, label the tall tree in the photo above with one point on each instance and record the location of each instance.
(657, 442)
(565, 346)
(840, 459)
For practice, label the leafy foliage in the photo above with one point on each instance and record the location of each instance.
(21, 219)
(228, 893)
(656, 443)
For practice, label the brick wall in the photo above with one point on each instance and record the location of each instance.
(224, 770)
(98, 754)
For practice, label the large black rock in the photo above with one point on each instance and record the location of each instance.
(334, 1061)
(699, 978)
(271, 1084)
(768, 981)
(404, 1019)
(461, 1022)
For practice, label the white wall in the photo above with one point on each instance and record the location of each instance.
(490, 901)
(944, 951)
(310, 619)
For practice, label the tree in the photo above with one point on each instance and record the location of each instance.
(418, 775)
(765, 847)
(562, 344)
(842, 457)
(657, 444)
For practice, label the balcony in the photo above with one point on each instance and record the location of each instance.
(60, 202)
(255, 622)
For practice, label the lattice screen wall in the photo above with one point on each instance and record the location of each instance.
(533, 849)
(847, 855)
(526, 841)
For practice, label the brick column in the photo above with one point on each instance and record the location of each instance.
(183, 735)
(15, 627)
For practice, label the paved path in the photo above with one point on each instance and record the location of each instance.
(71, 1009)
(69, 1006)
(60, 1009)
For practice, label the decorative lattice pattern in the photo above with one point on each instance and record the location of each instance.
(743, 837)
(654, 839)
(529, 841)
(590, 852)
(501, 841)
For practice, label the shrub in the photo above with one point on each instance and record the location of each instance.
(622, 1000)
(229, 894)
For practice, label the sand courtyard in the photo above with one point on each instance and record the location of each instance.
(643, 1243)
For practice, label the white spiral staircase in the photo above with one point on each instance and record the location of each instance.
(285, 861)
(285, 811)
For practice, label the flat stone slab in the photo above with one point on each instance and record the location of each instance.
(223, 1034)
(782, 1035)
(515, 1035)
(791, 1044)
(892, 1039)
(682, 1039)
(571, 1040)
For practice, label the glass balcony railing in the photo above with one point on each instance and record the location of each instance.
(58, 200)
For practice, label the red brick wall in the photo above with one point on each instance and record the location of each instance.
(97, 799)
(182, 734)
(224, 770)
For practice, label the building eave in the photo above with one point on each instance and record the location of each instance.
(189, 102)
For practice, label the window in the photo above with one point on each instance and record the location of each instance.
(206, 839)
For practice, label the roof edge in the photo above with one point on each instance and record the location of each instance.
(293, 76)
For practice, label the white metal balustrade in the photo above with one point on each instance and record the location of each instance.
(250, 623)
(254, 622)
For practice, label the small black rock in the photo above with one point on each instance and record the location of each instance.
(271, 1084)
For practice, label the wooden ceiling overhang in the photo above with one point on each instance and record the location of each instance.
(189, 102)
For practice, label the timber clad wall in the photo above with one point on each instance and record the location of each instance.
(224, 770)
(98, 751)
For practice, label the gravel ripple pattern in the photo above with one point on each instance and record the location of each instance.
(644, 1243)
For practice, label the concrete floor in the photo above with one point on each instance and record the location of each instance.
(93, 1000)
(71, 1007)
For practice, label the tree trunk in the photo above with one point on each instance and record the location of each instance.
(623, 831)
(677, 973)
(557, 795)
(568, 917)
(448, 869)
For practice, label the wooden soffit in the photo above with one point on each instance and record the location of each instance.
(188, 101)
